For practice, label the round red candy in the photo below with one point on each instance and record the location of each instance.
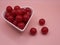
(41, 22)
(21, 25)
(9, 9)
(44, 30)
(10, 18)
(19, 12)
(28, 14)
(23, 11)
(15, 22)
(28, 9)
(26, 18)
(33, 31)
(13, 13)
(16, 8)
(19, 18)
(7, 15)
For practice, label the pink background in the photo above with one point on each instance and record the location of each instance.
(47, 9)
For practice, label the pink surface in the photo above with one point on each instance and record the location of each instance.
(47, 9)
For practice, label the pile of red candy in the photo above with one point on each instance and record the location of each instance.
(18, 16)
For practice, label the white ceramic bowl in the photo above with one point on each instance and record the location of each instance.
(3, 13)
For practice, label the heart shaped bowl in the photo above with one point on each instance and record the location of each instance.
(3, 13)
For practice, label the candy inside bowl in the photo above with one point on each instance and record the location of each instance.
(18, 17)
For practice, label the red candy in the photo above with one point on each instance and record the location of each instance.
(9, 9)
(21, 25)
(28, 9)
(26, 17)
(41, 22)
(10, 18)
(23, 11)
(16, 8)
(33, 31)
(7, 15)
(44, 30)
(15, 23)
(19, 12)
(28, 13)
(19, 18)
(13, 13)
